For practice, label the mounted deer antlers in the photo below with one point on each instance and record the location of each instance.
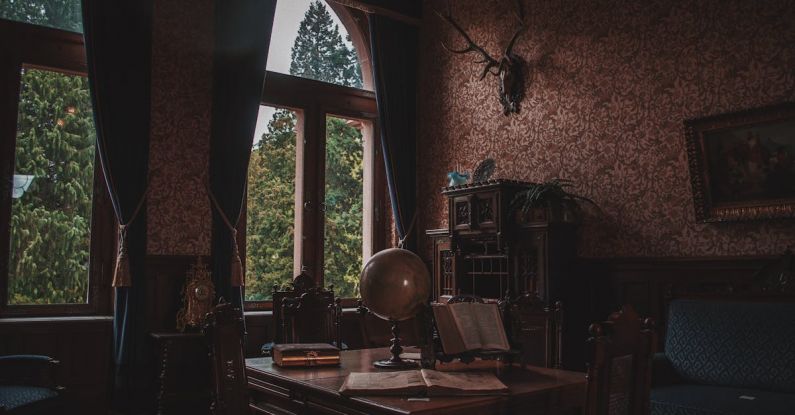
(508, 68)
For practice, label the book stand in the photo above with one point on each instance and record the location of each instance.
(506, 356)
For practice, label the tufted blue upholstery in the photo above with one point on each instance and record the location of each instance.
(734, 344)
(16, 397)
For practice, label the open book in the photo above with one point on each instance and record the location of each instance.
(470, 326)
(422, 382)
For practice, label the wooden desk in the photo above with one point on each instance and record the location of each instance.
(277, 390)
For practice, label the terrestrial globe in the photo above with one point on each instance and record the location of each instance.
(395, 284)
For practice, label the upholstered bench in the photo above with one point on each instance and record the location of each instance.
(725, 357)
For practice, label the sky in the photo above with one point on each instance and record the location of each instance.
(289, 14)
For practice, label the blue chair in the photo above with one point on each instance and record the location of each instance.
(27, 385)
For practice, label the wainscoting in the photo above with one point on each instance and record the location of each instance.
(649, 284)
(81, 344)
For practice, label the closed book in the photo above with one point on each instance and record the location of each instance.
(306, 354)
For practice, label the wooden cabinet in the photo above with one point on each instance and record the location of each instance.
(492, 251)
(496, 252)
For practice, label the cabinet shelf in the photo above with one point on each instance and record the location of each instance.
(474, 273)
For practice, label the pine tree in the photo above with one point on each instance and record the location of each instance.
(319, 52)
(50, 223)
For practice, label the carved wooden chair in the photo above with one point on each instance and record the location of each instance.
(535, 329)
(306, 314)
(619, 367)
(223, 330)
(465, 298)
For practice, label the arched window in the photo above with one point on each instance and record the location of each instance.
(315, 179)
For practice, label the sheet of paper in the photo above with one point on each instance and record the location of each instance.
(440, 383)
(492, 332)
(383, 383)
(466, 320)
(448, 330)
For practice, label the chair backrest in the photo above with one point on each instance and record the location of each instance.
(619, 367)
(466, 298)
(223, 329)
(307, 314)
(535, 329)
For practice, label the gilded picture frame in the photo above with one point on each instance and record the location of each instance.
(742, 164)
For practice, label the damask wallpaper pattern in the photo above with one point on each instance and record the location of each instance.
(609, 86)
(178, 209)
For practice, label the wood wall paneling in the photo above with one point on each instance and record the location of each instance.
(650, 284)
(81, 344)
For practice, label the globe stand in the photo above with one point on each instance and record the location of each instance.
(395, 362)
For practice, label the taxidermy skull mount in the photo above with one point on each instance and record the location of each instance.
(508, 69)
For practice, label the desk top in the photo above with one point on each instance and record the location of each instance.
(550, 390)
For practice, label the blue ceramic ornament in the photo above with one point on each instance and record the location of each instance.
(457, 178)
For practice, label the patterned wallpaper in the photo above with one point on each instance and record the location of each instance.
(611, 83)
(178, 210)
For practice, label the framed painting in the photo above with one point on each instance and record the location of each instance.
(742, 164)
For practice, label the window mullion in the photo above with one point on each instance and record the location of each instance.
(309, 193)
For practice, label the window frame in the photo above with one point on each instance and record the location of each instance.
(316, 100)
(40, 47)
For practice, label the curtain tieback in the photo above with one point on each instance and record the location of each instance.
(122, 276)
(236, 266)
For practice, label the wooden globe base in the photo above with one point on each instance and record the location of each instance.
(395, 362)
(400, 364)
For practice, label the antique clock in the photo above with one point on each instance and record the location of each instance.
(198, 295)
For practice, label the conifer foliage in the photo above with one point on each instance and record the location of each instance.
(319, 52)
(51, 221)
(61, 14)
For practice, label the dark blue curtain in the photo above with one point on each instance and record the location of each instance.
(394, 49)
(118, 47)
(242, 37)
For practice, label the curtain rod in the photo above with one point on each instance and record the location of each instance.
(383, 11)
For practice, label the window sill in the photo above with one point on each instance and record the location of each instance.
(60, 319)
(269, 313)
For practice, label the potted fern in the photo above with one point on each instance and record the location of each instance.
(549, 201)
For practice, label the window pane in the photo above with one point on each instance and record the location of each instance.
(344, 205)
(52, 193)
(309, 41)
(60, 14)
(271, 203)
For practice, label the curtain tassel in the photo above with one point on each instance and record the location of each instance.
(121, 275)
(236, 276)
